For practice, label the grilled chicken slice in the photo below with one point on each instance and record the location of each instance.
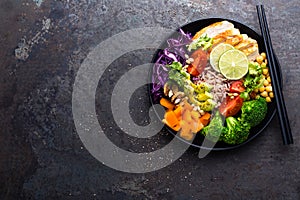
(224, 32)
(229, 39)
(213, 30)
(244, 44)
(252, 53)
(250, 47)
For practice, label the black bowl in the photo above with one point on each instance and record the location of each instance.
(193, 28)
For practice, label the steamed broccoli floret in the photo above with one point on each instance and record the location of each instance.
(254, 111)
(236, 131)
(214, 129)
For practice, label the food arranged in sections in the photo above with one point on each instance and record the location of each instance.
(215, 83)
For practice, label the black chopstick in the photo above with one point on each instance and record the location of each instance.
(280, 103)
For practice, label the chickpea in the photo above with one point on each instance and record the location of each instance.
(255, 90)
(261, 89)
(263, 54)
(269, 88)
(271, 94)
(266, 82)
(266, 61)
(259, 59)
(265, 71)
(263, 65)
(269, 79)
(268, 99)
(264, 94)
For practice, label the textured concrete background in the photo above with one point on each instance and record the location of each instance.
(41, 155)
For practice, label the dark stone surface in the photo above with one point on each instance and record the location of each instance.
(41, 155)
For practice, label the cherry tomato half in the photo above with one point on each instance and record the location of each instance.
(237, 86)
(199, 63)
(230, 107)
(193, 71)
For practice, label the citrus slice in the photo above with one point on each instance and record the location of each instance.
(216, 53)
(233, 64)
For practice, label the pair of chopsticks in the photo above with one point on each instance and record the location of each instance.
(281, 109)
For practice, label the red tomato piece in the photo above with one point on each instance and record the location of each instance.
(230, 107)
(199, 63)
(193, 71)
(237, 86)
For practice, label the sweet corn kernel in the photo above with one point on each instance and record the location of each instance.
(268, 99)
(264, 94)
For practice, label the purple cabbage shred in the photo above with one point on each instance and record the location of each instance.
(175, 51)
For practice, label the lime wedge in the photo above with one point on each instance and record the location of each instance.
(233, 64)
(216, 53)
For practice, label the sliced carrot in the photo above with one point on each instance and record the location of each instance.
(206, 116)
(171, 119)
(200, 126)
(184, 119)
(205, 119)
(177, 127)
(178, 112)
(204, 122)
(166, 103)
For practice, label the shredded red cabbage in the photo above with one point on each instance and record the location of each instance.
(175, 51)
